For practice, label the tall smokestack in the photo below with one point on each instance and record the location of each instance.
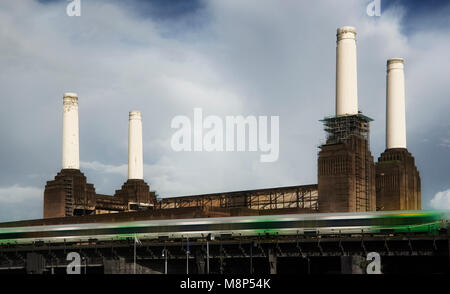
(135, 158)
(395, 104)
(346, 78)
(70, 144)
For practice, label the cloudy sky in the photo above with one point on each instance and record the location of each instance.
(232, 57)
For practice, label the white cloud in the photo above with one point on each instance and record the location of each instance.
(18, 194)
(441, 200)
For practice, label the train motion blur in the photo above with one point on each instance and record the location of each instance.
(294, 224)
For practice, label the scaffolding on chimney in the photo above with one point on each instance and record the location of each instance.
(69, 201)
(362, 174)
(340, 129)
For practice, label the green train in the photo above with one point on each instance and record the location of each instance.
(287, 224)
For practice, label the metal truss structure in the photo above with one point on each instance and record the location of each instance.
(302, 197)
(257, 255)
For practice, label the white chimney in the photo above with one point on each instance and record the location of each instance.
(395, 104)
(70, 144)
(346, 78)
(135, 158)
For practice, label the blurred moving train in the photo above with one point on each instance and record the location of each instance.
(288, 224)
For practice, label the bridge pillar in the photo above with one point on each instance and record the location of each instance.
(352, 264)
(200, 261)
(122, 266)
(272, 261)
(35, 263)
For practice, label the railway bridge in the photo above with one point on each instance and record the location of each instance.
(401, 242)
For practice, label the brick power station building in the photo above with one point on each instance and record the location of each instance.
(348, 178)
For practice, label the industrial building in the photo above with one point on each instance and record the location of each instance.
(356, 206)
(348, 178)
(69, 194)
